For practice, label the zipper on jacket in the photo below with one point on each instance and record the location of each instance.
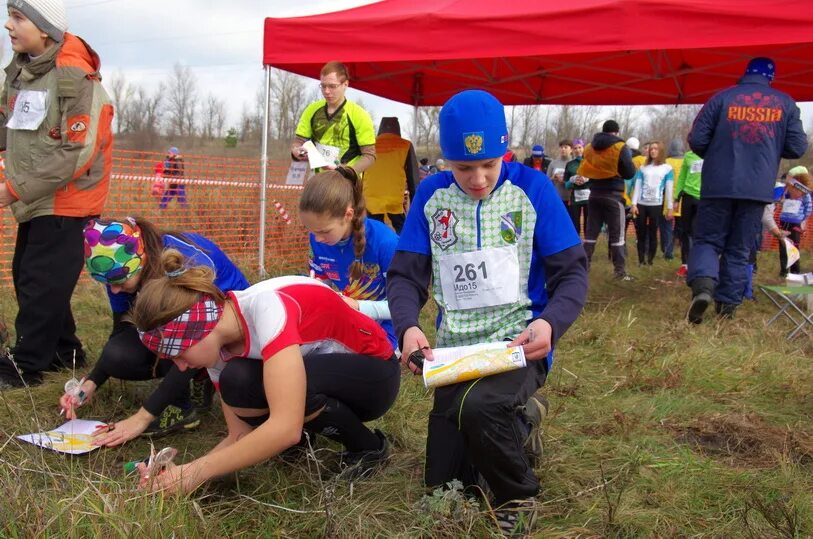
(477, 219)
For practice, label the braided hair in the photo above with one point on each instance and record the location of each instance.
(331, 193)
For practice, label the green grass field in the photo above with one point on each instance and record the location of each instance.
(656, 429)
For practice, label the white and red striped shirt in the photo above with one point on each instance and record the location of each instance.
(284, 311)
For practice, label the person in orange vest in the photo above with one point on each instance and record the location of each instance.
(607, 163)
(394, 171)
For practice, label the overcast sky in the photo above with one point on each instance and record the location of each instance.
(220, 41)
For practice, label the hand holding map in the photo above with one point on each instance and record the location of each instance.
(462, 363)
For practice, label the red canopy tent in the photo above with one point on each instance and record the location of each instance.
(619, 52)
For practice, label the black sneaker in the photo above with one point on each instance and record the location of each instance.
(201, 391)
(725, 311)
(172, 419)
(66, 362)
(700, 303)
(534, 413)
(516, 518)
(11, 377)
(362, 464)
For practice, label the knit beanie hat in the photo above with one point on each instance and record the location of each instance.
(47, 15)
(578, 142)
(472, 127)
(633, 143)
(762, 66)
(797, 170)
(538, 151)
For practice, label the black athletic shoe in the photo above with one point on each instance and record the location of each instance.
(11, 377)
(516, 518)
(700, 303)
(60, 363)
(725, 311)
(362, 464)
(172, 419)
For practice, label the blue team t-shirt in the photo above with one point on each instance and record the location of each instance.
(201, 252)
(332, 262)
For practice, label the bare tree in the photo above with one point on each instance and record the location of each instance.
(667, 123)
(122, 94)
(182, 95)
(142, 114)
(426, 138)
(288, 100)
(213, 117)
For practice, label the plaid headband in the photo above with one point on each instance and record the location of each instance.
(799, 185)
(186, 330)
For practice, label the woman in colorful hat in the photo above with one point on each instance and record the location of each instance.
(124, 254)
(289, 344)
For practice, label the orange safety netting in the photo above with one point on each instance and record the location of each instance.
(222, 202)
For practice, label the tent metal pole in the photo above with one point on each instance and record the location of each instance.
(264, 172)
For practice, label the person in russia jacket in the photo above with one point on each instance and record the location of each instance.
(741, 133)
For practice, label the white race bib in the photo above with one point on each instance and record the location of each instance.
(696, 167)
(297, 173)
(580, 195)
(331, 153)
(476, 279)
(29, 111)
(791, 206)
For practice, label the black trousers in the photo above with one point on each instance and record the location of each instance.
(126, 358)
(48, 259)
(397, 219)
(796, 237)
(368, 386)
(646, 229)
(688, 216)
(578, 211)
(606, 208)
(477, 426)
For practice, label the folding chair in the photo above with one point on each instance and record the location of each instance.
(785, 298)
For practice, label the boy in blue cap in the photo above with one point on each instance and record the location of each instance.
(506, 222)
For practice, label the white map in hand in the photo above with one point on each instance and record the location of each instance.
(462, 363)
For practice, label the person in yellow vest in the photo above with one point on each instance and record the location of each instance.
(638, 159)
(668, 228)
(395, 170)
(607, 163)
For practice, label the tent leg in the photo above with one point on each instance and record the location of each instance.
(264, 173)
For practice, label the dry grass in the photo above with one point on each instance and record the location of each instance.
(656, 429)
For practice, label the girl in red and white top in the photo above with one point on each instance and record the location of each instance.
(290, 344)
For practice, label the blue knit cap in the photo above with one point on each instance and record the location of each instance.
(538, 151)
(472, 127)
(762, 66)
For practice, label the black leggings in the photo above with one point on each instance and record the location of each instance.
(352, 388)
(126, 358)
(646, 228)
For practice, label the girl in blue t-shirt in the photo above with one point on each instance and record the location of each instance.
(348, 249)
(124, 254)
